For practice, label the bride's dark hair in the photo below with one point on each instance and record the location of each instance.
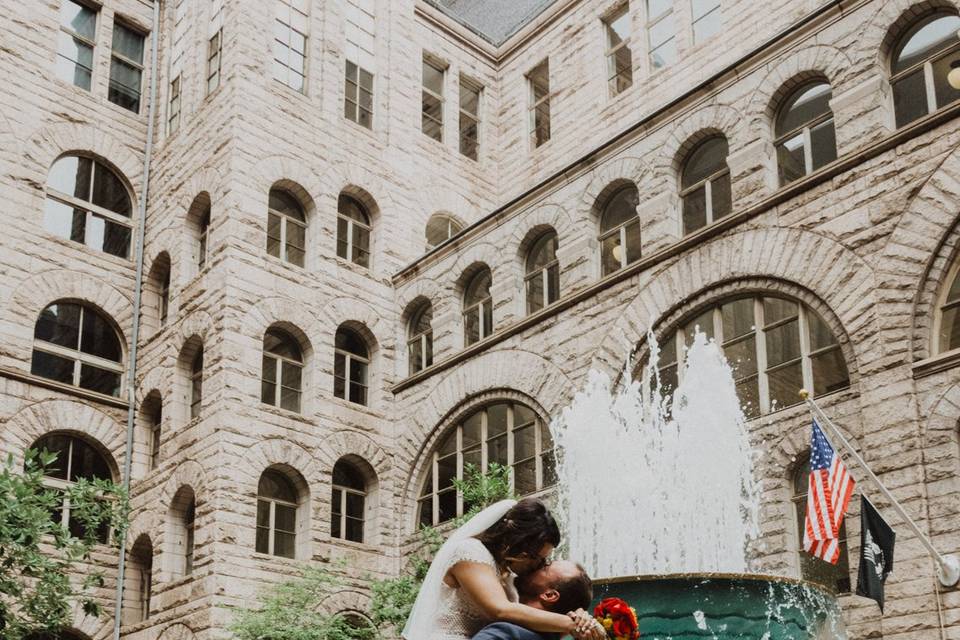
(521, 532)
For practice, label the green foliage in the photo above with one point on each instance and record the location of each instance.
(292, 610)
(393, 598)
(37, 555)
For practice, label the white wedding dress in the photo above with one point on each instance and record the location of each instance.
(442, 612)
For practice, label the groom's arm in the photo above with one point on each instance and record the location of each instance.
(506, 631)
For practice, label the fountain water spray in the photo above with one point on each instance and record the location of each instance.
(653, 482)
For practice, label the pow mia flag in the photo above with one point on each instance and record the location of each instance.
(876, 552)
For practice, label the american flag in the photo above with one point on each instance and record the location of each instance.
(827, 498)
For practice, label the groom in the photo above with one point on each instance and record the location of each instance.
(561, 586)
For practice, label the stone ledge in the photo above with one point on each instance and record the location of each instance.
(936, 364)
(37, 381)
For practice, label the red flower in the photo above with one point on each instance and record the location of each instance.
(620, 619)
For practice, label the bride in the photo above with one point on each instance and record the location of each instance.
(470, 582)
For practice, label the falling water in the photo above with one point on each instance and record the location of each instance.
(647, 490)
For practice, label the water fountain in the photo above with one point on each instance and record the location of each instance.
(666, 521)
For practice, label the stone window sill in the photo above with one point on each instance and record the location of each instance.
(936, 364)
(29, 378)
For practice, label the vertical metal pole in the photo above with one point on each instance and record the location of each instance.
(137, 299)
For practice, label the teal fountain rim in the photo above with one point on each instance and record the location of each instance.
(755, 577)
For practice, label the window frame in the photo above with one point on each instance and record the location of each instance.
(196, 385)
(707, 184)
(351, 223)
(203, 240)
(441, 68)
(465, 115)
(420, 342)
(285, 220)
(653, 21)
(612, 50)
(173, 105)
(156, 433)
(717, 8)
(451, 224)
(163, 297)
(480, 307)
(545, 273)
(214, 52)
(139, 66)
(353, 106)
(78, 357)
(350, 360)
(620, 231)
(290, 29)
(272, 521)
(804, 129)
(278, 381)
(944, 304)
(535, 110)
(83, 39)
(431, 470)
(342, 515)
(189, 526)
(926, 65)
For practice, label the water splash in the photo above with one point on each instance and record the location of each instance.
(661, 484)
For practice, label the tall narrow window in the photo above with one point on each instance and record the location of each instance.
(126, 68)
(173, 107)
(469, 118)
(196, 384)
(431, 120)
(835, 577)
(353, 231)
(543, 273)
(662, 33)
(919, 67)
(290, 43)
(188, 525)
(478, 307)
(203, 239)
(75, 345)
(441, 228)
(141, 556)
(358, 95)
(706, 19)
(539, 86)
(156, 433)
(620, 230)
(347, 503)
(949, 320)
(75, 459)
(75, 43)
(420, 340)
(705, 185)
(214, 60)
(619, 57)
(350, 366)
(282, 378)
(276, 515)
(805, 138)
(88, 203)
(286, 228)
(163, 297)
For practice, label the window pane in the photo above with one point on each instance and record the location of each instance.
(432, 78)
(621, 208)
(283, 544)
(496, 420)
(291, 375)
(694, 210)
(268, 392)
(524, 442)
(290, 399)
(78, 18)
(785, 383)
(426, 512)
(661, 32)
(707, 26)
(471, 430)
(950, 329)
(804, 105)
(98, 337)
(791, 159)
(52, 367)
(783, 343)
(99, 380)
(64, 221)
(665, 54)
(748, 392)
(471, 325)
(829, 372)
(910, 98)
(432, 116)
(263, 540)
(124, 87)
(285, 517)
(944, 92)
(702, 323)
(924, 39)
(632, 232)
(355, 505)
(361, 246)
(263, 513)
(116, 239)
(354, 530)
(737, 318)
(497, 450)
(69, 65)
(525, 477)
(109, 192)
(59, 324)
(776, 309)
(823, 144)
(535, 293)
(447, 506)
(820, 334)
(742, 356)
(722, 201)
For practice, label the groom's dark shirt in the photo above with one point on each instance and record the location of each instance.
(510, 631)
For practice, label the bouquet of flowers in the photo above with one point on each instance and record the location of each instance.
(618, 618)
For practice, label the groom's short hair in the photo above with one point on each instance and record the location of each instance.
(576, 592)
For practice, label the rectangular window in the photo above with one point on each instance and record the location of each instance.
(431, 121)
(706, 19)
(173, 107)
(214, 53)
(126, 68)
(619, 57)
(539, 81)
(358, 95)
(469, 118)
(662, 33)
(290, 43)
(75, 42)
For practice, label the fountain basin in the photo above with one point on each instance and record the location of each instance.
(723, 605)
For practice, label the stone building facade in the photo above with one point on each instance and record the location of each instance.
(302, 356)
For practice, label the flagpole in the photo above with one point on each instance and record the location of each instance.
(948, 566)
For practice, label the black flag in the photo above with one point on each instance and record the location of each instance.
(876, 552)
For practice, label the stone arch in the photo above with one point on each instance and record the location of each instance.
(186, 474)
(277, 453)
(843, 280)
(918, 255)
(707, 121)
(347, 600)
(442, 198)
(426, 288)
(103, 431)
(208, 180)
(485, 253)
(353, 178)
(155, 379)
(145, 523)
(609, 176)
(198, 323)
(285, 172)
(346, 443)
(543, 217)
(176, 631)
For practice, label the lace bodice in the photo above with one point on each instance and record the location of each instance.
(458, 617)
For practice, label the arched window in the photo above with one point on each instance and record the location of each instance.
(776, 346)
(356, 626)
(919, 66)
(198, 225)
(347, 503)
(834, 577)
(350, 366)
(196, 384)
(506, 433)
(805, 137)
(139, 585)
(281, 384)
(949, 320)
(620, 230)
(88, 203)
(441, 228)
(478, 307)
(76, 459)
(76, 345)
(189, 521)
(179, 539)
(420, 341)
(276, 515)
(705, 184)
(542, 273)
(286, 227)
(152, 413)
(203, 238)
(353, 231)
(158, 288)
